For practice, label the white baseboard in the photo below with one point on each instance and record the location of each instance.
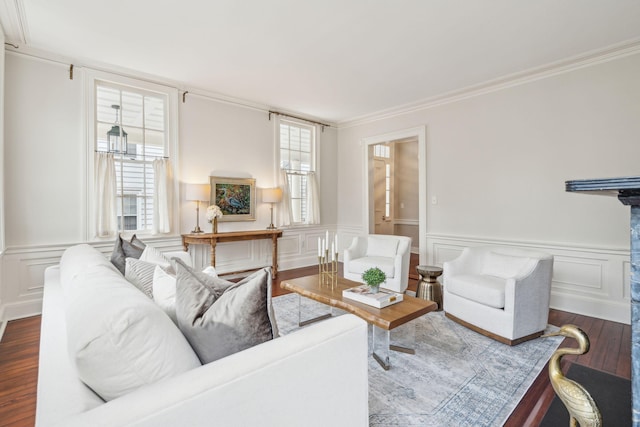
(3, 322)
(590, 281)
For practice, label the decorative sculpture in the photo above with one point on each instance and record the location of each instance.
(583, 410)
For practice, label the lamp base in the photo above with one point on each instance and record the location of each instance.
(271, 226)
(197, 230)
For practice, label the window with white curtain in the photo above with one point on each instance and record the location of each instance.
(297, 144)
(131, 126)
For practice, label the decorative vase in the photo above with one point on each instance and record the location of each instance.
(215, 225)
(375, 288)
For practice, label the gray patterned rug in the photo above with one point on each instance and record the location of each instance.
(456, 378)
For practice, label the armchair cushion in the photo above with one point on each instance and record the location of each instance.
(483, 289)
(377, 247)
(505, 266)
(360, 265)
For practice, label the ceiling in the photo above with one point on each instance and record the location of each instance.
(334, 60)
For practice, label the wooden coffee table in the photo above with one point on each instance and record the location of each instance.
(382, 319)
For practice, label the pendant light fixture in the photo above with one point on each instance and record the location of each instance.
(117, 137)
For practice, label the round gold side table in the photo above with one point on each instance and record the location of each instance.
(428, 287)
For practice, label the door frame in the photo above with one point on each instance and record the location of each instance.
(419, 132)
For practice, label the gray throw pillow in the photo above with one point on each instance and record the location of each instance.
(219, 317)
(123, 250)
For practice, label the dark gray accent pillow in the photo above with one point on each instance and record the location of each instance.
(123, 250)
(137, 242)
(219, 317)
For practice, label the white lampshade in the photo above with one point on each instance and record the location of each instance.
(271, 195)
(197, 192)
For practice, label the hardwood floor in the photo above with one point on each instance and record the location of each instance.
(610, 352)
(19, 372)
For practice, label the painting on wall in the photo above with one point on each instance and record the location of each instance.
(236, 197)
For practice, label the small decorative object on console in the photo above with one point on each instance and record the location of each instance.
(366, 295)
(213, 213)
(373, 277)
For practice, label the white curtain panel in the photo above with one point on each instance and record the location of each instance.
(313, 201)
(285, 212)
(105, 194)
(162, 196)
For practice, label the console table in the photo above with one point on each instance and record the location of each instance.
(627, 190)
(213, 239)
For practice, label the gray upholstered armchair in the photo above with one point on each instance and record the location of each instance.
(390, 254)
(500, 292)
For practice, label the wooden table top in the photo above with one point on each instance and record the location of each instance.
(386, 318)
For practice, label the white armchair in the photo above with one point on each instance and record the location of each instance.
(390, 254)
(500, 292)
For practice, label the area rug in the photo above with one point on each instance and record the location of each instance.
(611, 393)
(456, 378)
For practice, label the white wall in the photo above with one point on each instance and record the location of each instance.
(498, 161)
(46, 180)
(2, 242)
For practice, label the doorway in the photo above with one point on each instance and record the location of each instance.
(383, 188)
(395, 195)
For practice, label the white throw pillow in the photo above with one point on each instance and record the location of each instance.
(504, 266)
(118, 338)
(154, 256)
(382, 247)
(164, 290)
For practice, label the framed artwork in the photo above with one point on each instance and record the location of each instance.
(236, 197)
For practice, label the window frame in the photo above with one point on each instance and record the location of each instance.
(92, 78)
(315, 163)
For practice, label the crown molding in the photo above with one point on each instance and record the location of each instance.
(13, 21)
(181, 87)
(627, 48)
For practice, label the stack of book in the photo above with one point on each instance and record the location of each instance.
(380, 299)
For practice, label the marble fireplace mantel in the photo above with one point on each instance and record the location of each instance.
(627, 190)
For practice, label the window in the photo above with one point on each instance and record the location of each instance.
(297, 161)
(130, 128)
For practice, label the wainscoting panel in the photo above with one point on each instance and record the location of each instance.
(590, 281)
(22, 269)
(22, 274)
(23, 279)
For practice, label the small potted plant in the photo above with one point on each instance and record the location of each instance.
(373, 277)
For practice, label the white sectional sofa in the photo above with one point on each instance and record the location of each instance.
(316, 376)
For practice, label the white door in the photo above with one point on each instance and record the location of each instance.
(382, 193)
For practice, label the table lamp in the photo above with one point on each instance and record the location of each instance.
(271, 195)
(197, 192)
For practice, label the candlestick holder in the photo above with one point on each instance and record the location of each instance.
(328, 269)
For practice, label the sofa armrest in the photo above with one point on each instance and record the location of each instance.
(269, 384)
